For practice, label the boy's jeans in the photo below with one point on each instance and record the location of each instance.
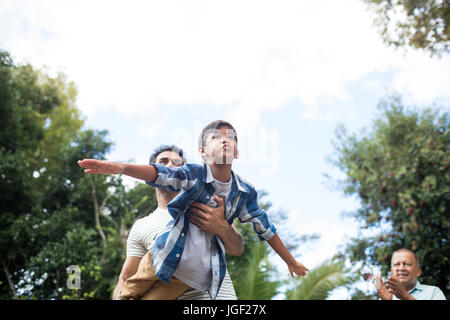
(145, 284)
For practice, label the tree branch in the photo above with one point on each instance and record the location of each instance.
(8, 276)
(98, 210)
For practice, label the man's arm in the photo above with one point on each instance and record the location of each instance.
(212, 220)
(129, 268)
(138, 171)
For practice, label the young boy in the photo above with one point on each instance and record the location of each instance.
(183, 252)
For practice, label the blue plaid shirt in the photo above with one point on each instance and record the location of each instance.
(196, 183)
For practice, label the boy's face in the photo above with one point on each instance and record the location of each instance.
(220, 146)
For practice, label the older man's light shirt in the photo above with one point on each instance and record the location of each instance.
(424, 292)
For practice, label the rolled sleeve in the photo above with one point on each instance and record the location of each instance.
(254, 214)
(269, 234)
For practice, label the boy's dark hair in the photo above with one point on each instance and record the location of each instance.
(213, 126)
(166, 147)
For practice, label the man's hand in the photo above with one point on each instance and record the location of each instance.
(101, 167)
(209, 219)
(383, 292)
(129, 268)
(298, 269)
(397, 288)
(212, 220)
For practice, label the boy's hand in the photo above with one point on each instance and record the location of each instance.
(101, 167)
(298, 269)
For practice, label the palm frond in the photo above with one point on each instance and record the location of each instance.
(318, 283)
(256, 283)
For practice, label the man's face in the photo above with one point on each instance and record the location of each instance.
(404, 265)
(169, 159)
(220, 146)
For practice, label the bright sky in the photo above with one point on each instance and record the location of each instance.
(284, 73)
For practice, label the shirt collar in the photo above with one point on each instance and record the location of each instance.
(236, 178)
(418, 286)
(208, 178)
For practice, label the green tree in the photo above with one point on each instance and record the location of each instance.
(319, 282)
(423, 24)
(31, 108)
(52, 214)
(400, 172)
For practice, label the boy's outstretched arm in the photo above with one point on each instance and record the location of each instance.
(265, 231)
(293, 265)
(138, 171)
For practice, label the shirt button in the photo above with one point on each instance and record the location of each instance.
(178, 255)
(182, 234)
(207, 197)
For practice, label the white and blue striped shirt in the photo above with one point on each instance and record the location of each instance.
(195, 182)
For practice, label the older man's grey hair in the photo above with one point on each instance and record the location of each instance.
(410, 251)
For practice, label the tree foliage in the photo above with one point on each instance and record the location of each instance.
(400, 172)
(319, 282)
(256, 282)
(423, 24)
(53, 215)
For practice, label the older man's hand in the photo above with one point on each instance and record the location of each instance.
(396, 287)
(383, 292)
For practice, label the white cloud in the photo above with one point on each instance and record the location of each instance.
(149, 132)
(333, 230)
(424, 80)
(250, 56)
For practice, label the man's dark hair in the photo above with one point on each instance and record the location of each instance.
(214, 126)
(166, 147)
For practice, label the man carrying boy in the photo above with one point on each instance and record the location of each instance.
(183, 255)
(208, 219)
